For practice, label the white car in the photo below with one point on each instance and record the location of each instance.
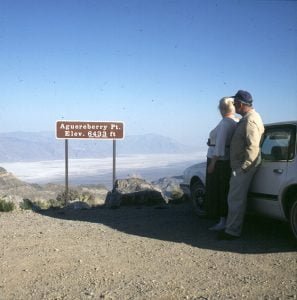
(273, 192)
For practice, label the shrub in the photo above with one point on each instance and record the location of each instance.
(72, 195)
(38, 205)
(26, 204)
(59, 202)
(6, 205)
(87, 197)
(55, 203)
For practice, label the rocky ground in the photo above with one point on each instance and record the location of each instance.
(141, 252)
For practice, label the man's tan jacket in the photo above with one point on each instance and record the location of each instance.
(245, 143)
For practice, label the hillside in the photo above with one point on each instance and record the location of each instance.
(15, 190)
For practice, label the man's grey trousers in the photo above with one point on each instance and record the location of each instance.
(237, 199)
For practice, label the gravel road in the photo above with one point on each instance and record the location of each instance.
(142, 253)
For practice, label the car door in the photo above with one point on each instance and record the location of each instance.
(278, 151)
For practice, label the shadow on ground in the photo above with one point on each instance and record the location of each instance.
(177, 223)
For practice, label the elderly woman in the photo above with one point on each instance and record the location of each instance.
(218, 164)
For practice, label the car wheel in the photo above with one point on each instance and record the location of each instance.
(293, 218)
(198, 197)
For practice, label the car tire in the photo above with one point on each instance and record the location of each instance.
(293, 218)
(198, 198)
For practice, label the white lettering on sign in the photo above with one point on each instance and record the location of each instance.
(89, 130)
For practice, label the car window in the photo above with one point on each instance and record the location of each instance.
(278, 144)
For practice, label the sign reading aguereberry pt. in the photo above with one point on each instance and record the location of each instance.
(89, 130)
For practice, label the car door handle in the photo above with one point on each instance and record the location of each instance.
(278, 171)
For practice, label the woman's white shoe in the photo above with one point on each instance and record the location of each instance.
(219, 226)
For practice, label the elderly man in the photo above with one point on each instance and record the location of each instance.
(245, 157)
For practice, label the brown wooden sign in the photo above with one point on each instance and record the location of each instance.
(89, 130)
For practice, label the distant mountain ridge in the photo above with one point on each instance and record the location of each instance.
(38, 146)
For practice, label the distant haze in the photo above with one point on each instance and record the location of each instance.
(99, 171)
(34, 146)
(39, 158)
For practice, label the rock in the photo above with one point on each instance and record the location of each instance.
(171, 190)
(2, 170)
(78, 205)
(13, 188)
(134, 191)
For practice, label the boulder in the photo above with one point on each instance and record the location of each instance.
(134, 191)
(171, 190)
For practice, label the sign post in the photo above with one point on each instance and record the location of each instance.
(66, 171)
(106, 130)
(114, 150)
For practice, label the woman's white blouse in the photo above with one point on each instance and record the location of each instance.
(220, 139)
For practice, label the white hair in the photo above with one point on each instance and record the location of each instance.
(226, 105)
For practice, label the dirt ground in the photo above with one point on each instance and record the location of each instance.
(142, 253)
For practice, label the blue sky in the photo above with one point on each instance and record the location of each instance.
(160, 66)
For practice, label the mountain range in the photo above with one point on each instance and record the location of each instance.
(38, 146)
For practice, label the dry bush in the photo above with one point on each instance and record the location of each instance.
(6, 205)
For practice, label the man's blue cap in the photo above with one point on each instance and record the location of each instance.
(244, 97)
